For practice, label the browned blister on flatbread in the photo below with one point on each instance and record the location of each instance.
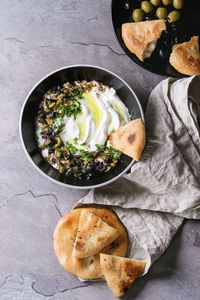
(93, 235)
(130, 138)
(64, 239)
(141, 37)
(120, 272)
(185, 58)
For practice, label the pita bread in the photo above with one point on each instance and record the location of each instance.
(141, 37)
(130, 138)
(185, 58)
(93, 235)
(120, 272)
(65, 235)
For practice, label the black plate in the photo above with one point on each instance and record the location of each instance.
(178, 32)
(30, 108)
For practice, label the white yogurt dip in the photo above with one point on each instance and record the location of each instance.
(102, 112)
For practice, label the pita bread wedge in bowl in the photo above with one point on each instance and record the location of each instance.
(141, 37)
(185, 57)
(66, 232)
(130, 138)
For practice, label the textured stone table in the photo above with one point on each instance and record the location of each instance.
(38, 36)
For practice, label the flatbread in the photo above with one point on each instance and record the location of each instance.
(141, 37)
(93, 235)
(120, 272)
(130, 138)
(185, 58)
(65, 235)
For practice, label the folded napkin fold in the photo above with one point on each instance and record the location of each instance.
(163, 188)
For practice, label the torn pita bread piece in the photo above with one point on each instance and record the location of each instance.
(64, 239)
(130, 138)
(185, 58)
(141, 37)
(93, 235)
(120, 272)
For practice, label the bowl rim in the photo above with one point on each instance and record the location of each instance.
(22, 140)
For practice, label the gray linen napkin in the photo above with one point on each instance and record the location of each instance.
(163, 188)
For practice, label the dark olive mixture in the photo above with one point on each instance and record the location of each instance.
(67, 158)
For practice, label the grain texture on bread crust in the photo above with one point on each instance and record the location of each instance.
(120, 272)
(130, 138)
(93, 235)
(64, 239)
(141, 37)
(185, 58)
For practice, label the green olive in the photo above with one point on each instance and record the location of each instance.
(174, 46)
(166, 2)
(61, 169)
(146, 6)
(155, 2)
(161, 13)
(173, 16)
(178, 4)
(52, 104)
(138, 15)
(59, 142)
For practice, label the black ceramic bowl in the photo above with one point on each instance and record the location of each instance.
(30, 108)
(178, 32)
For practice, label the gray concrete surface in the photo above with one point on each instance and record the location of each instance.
(36, 37)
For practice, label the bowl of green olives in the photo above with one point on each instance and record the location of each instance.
(161, 9)
(182, 22)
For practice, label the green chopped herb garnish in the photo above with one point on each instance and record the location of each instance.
(97, 147)
(112, 152)
(101, 151)
(115, 153)
(71, 147)
(85, 155)
(104, 154)
(70, 105)
(77, 94)
(73, 109)
(105, 144)
(73, 94)
(76, 140)
(56, 148)
(60, 116)
(61, 126)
